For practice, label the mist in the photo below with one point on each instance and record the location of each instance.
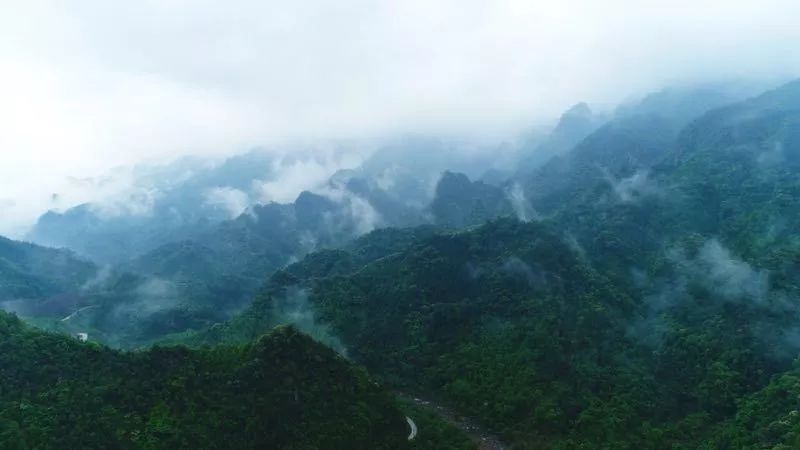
(91, 87)
(634, 187)
(710, 275)
(295, 308)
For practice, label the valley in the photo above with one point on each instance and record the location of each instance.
(635, 288)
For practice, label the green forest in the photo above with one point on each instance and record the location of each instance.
(664, 319)
(281, 391)
(636, 289)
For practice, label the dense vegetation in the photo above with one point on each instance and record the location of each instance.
(281, 391)
(29, 271)
(654, 307)
(652, 304)
(487, 321)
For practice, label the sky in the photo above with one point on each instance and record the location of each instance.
(88, 85)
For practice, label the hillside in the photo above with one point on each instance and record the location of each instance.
(449, 306)
(281, 391)
(34, 279)
(651, 304)
(661, 312)
(511, 325)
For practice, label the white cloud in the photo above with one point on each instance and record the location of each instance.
(730, 276)
(633, 188)
(361, 215)
(232, 200)
(522, 207)
(294, 175)
(94, 84)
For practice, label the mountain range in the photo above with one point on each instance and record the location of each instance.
(631, 283)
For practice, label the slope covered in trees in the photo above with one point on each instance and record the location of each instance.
(510, 324)
(655, 305)
(492, 319)
(652, 305)
(281, 391)
(34, 278)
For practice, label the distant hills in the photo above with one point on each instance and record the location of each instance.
(30, 272)
(652, 305)
(632, 285)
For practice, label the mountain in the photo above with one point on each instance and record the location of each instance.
(192, 284)
(637, 137)
(387, 201)
(508, 300)
(147, 206)
(407, 169)
(638, 290)
(180, 262)
(182, 257)
(34, 278)
(729, 173)
(574, 125)
(59, 291)
(461, 203)
(512, 325)
(281, 391)
(158, 205)
(654, 306)
(583, 154)
(211, 269)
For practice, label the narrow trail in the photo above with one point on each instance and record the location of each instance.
(483, 439)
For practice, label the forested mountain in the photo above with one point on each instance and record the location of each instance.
(487, 319)
(461, 203)
(213, 266)
(512, 325)
(192, 198)
(574, 125)
(635, 139)
(181, 263)
(360, 225)
(29, 272)
(281, 391)
(638, 290)
(729, 174)
(162, 204)
(653, 307)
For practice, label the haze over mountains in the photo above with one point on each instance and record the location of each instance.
(433, 225)
(631, 283)
(190, 243)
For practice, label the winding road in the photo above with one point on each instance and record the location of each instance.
(69, 317)
(413, 427)
(483, 439)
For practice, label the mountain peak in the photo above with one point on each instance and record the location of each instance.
(578, 118)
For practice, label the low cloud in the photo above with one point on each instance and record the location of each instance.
(294, 174)
(773, 156)
(718, 270)
(234, 201)
(99, 279)
(294, 307)
(517, 267)
(355, 213)
(152, 296)
(78, 99)
(139, 202)
(633, 188)
(713, 268)
(522, 207)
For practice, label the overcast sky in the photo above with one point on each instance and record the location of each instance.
(90, 84)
